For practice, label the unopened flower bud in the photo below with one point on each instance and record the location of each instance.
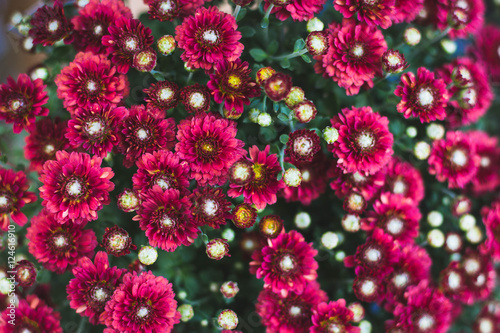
(412, 36)
(145, 60)
(467, 97)
(148, 255)
(329, 240)
(355, 203)
(435, 218)
(229, 289)
(270, 226)
(411, 132)
(166, 45)
(292, 177)
(358, 310)
(315, 24)
(244, 216)
(453, 242)
(186, 311)
(128, 200)
(462, 77)
(435, 131)
(39, 72)
(474, 235)
(435, 238)
(422, 150)
(305, 111)
(228, 234)
(351, 223)
(16, 18)
(461, 205)
(264, 119)
(278, 86)
(264, 74)
(393, 61)
(317, 43)
(467, 222)
(227, 319)
(25, 273)
(294, 97)
(217, 249)
(302, 220)
(449, 46)
(330, 134)
(253, 115)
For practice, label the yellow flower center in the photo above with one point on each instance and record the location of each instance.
(234, 81)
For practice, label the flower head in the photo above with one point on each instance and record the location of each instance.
(25, 273)
(463, 16)
(163, 10)
(491, 220)
(49, 25)
(195, 98)
(299, 10)
(404, 179)
(393, 61)
(303, 145)
(162, 95)
(31, 315)
(486, 50)
(117, 241)
(487, 177)
(333, 316)
(210, 207)
(244, 216)
(373, 13)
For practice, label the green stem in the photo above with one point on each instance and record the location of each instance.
(290, 122)
(236, 11)
(264, 102)
(190, 76)
(81, 327)
(291, 55)
(221, 109)
(265, 21)
(282, 158)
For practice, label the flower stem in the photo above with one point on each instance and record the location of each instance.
(190, 76)
(265, 21)
(236, 11)
(282, 158)
(291, 55)
(81, 326)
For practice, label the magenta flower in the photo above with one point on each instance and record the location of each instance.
(332, 316)
(49, 25)
(31, 315)
(299, 10)
(210, 207)
(491, 220)
(367, 185)
(404, 179)
(373, 13)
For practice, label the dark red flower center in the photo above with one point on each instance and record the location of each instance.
(17, 104)
(91, 87)
(60, 242)
(98, 295)
(207, 149)
(6, 202)
(165, 181)
(130, 44)
(208, 37)
(286, 263)
(75, 188)
(365, 140)
(142, 312)
(95, 127)
(142, 133)
(166, 221)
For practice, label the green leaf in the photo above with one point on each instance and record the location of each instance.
(285, 63)
(158, 76)
(283, 117)
(264, 23)
(306, 58)
(280, 175)
(284, 138)
(276, 106)
(258, 54)
(241, 14)
(247, 31)
(272, 47)
(299, 45)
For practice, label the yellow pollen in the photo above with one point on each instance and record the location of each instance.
(258, 171)
(234, 81)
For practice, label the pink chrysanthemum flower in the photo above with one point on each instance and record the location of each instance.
(454, 159)
(333, 316)
(292, 313)
(162, 95)
(303, 145)
(93, 286)
(396, 215)
(195, 98)
(166, 218)
(480, 275)
(299, 10)
(189, 7)
(75, 187)
(21, 102)
(162, 168)
(44, 141)
(423, 96)
(49, 25)
(210, 207)
(426, 310)
(142, 303)
(96, 128)
(145, 131)
(231, 84)
(463, 16)
(487, 176)
(368, 185)
(365, 143)
(491, 220)
(404, 179)
(13, 196)
(354, 55)
(406, 10)
(286, 264)
(93, 21)
(209, 145)
(486, 50)
(208, 37)
(373, 13)
(261, 190)
(90, 79)
(31, 315)
(57, 246)
(127, 37)
(489, 317)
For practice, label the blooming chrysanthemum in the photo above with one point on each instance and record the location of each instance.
(49, 25)
(90, 79)
(263, 187)
(454, 159)
(286, 264)
(423, 96)
(486, 50)
(299, 10)
(13, 196)
(406, 10)
(145, 131)
(368, 287)
(354, 55)
(303, 145)
(403, 178)
(142, 303)
(396, 215)
(31, 315)
(394, 61)
(368, 185)
(163, 10)
(25, 273)
(210, 207)
(452, 282)
(463, 16)
(21, 102)
(75, 186)
(244, 216)
(278, 86)
(195, 98)
(373, 13)
(162, 95)
(117, 241)
(487, 176)
(96, 128)
(480, 275)
(365, 143)
(209, 145)
(333, 316)
(57, 246)
(491, 220)
(166, 218)
(208, 37)
(93, 21)
(127, 37)
(231, 84)
(93, 286)
(488, 319)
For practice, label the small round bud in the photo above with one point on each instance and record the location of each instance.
(228, 234)
(435, 218)
(412, 36)
(435, 238)
(351, 223)
(145, 60)
(82, 3)
(339, 256)
(422, 150)
(39, 72)
(217, 249)
(214, 287)
(461, 205)
(302, 220)
(453, 242)
(305, 111)
(358, 310)
(393, 61)
(292, 177)
(117, 241)
(148, 255)
(227, 319)
(462, 77)
(241, 172)
(5, 286)
(435, 131)
(264, 119)
(270, 226)
(474, 235)
(317, 43)
(166, 45)
(449, 46)
(244, 216)
(229, 289)
(467, 97)
(355, 203)
(182, 294)
(294, 97)
(278, 86)
(188, 68)
(186, 311)
(330, 240)
(315, 24)
(264, 74)
(411, 132)
(27, 44)
(330, 134)
(365, 326)
(16, 18)
(128, 200)
(25, 273)
(24, 29)
(467, 222)
(204, 323)
(253, 115)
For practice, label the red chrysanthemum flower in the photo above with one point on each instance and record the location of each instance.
(396, 215)
(93, 21)
(145, 131)
(21, 102)
(491, 220)
(463, 16)
(373, 13)
(244, 216)
(163, 10)
(96, 128)
(289, 314)
(25, 273)
(31, 315)
(487, 176)
(75, 187)
(210, 207)
(208, 37)
(422, 97)
(480, 275)
(454, 159)
(406, 10)
(278, 86)
(231, 84)
(117, 241)
(299, 10)
(262, 188)
(49, 25)
(166, 218)
(90, 79)
(367, 287)
(486, 50)
(489, 317)
(127, 37)
(404, 179)
(93, 286)
(354, 55)
(368, 185)
(365, 143)
(452, 282)
(57, 246)
(142, 303)
(303, 145)
(333, 316)
(286, 264)
(209, 145)
(162, 95)
(44, 141)
(128, 200)
(13, 196)
(195, 98)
